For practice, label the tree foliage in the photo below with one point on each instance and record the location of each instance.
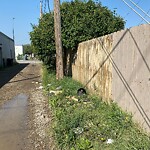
(42, 40)
(80, 21)
(27, 49)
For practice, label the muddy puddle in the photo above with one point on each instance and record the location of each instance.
(13, 123)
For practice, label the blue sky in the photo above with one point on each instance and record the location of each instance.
(131, 18)
(26, 12)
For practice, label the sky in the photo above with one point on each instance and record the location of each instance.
(20, 14)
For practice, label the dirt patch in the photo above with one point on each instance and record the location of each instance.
(26, 79)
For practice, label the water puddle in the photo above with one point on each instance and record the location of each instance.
(13, 119)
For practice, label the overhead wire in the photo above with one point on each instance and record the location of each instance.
(144, 17)
(139, 8)
(48, 4)
(130, 11)
(45, 6)
(136, 12)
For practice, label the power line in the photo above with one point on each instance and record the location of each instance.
(45, 6)
(144, 16)
(139, 8)
(136, 11)
(48, 6)
(130, 11)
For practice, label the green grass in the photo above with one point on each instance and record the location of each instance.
(87, 124)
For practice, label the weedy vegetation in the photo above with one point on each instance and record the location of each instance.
(87, 123)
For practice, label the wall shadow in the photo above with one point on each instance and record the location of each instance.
(8, 73)
(108, 55)
(122, 78)
(120, 75)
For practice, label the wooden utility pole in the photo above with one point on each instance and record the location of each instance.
(41, 10)
(58, 42)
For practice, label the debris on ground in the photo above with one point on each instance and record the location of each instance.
(109, 141)
(51, 92)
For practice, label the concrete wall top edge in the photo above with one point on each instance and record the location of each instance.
(123, 30)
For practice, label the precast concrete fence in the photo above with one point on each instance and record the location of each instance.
(117, 67)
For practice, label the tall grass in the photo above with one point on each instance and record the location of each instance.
(88, 123)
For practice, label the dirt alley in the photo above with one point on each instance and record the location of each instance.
(22, 81)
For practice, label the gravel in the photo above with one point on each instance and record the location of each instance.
(26, 78)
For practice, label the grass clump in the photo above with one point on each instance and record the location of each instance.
(88, 123)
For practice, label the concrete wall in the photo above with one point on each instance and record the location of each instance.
(92, 66)
(18, 50)
(7, 48)
(117, 67)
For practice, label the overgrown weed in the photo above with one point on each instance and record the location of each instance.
(87, 122)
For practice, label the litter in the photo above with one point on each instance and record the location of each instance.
(78, 130)
(49, 84)
(109, 141)
(59, 88)
(55, 92)
(40, 88)
(81, 91)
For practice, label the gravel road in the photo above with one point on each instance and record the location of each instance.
(26, 126)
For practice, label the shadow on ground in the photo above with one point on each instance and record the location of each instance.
(7, 74)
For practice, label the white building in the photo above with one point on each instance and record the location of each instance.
(18, 50)
(7, 50)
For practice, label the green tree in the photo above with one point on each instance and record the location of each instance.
(42, 40)
(81, 21)
(27, 49)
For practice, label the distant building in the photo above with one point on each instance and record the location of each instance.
(18, 50)
(7, 50)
